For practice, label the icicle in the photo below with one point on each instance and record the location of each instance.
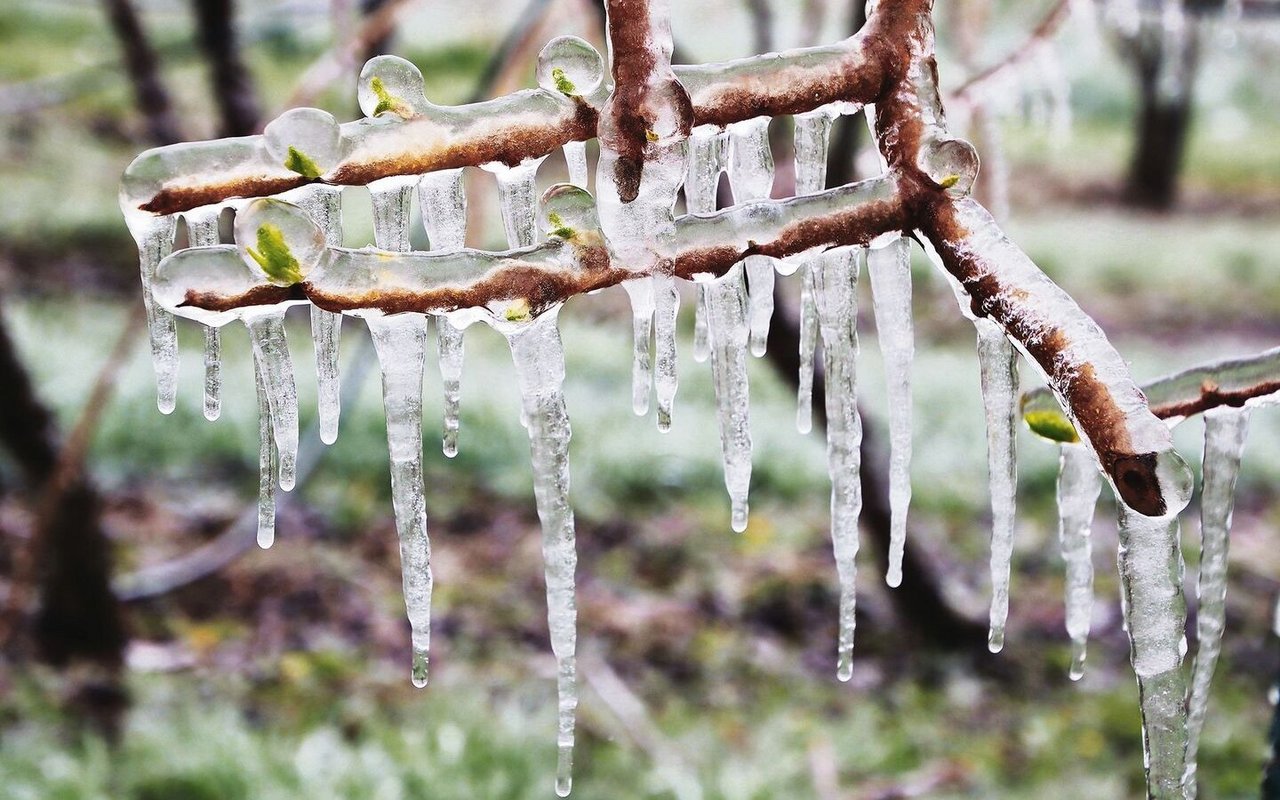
(760, 291)
(539, 360)
(666, 299)
(889, 269)
(575, 158)
(1079, 483)
(999, 365)
(835, 279)
(202, 231)
(642, 310)
(401, 342)
(706, 162)
(324, 205)
(271, 353)
(1224, 437)
(444, 214)
(727, 318)
(267, 455)
(808, 346)
(154, 236)
(1151, 572)
(392, 205)
(518, 198)
(812, 135)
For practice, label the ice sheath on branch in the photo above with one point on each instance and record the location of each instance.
(629, 235)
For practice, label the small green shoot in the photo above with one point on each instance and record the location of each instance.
(558, 228)
(518, 311)
(949, 181)
(388, 101)
(274, 256)
(563, 84)
(301, 163)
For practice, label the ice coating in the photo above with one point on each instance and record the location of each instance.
(751, 178)
(812, 137)
(889, 268)
(999, 366)
(267, 457)
(400, 342)
(572, 67)
(518, 199)
(835, 285)
(640, 291)
(1225, 430)
(154, 236)
(538, 354)
(323, 204)
(392, 206)
(728, 328)
(271, 354)
(707, 145)
(392, 86)
(1151, 572)
(202, 231)
(575, 159)
(1079, 484)
(444, 214)
(306, 141)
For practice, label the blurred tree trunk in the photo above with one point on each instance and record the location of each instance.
(140, 63)
(381, 45)
(77, 619)
(229, 78)
(1164, 66)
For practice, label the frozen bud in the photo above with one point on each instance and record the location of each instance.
(280, 240)
(568, 211)
(1045, 418)
(950, 163)
(305, 140)
(206, 272)
(391, 85)
(570, 66)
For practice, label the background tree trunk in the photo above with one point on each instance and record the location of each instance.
(232, 85)
(140, 63)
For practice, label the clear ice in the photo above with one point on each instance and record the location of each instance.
(998, 361)
(889, 269)
(538, 354)
(812, 138)
(271, 355)
(324, 205)
(728, 327)
(1079, 483)
(444, 214)
(1225, 429)
(835, 281)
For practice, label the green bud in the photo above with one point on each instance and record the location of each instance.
(563, 84)
(274, 256)
(299, 162)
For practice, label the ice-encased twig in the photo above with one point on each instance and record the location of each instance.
(835, 281)
(1224, 437)
(728, 327)
(271, 352)
(1151, 572)
(538, 354)
(400, 342)
(443, 199)
(889, 269)
(999, 365)
(1079, 485)
(324, 205)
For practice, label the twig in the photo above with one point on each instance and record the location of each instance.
(341, 58)
(1053, 19)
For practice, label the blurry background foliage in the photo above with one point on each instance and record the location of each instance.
(709, 656)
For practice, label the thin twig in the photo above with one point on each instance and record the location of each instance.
(341, 58)
(1053, 19)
